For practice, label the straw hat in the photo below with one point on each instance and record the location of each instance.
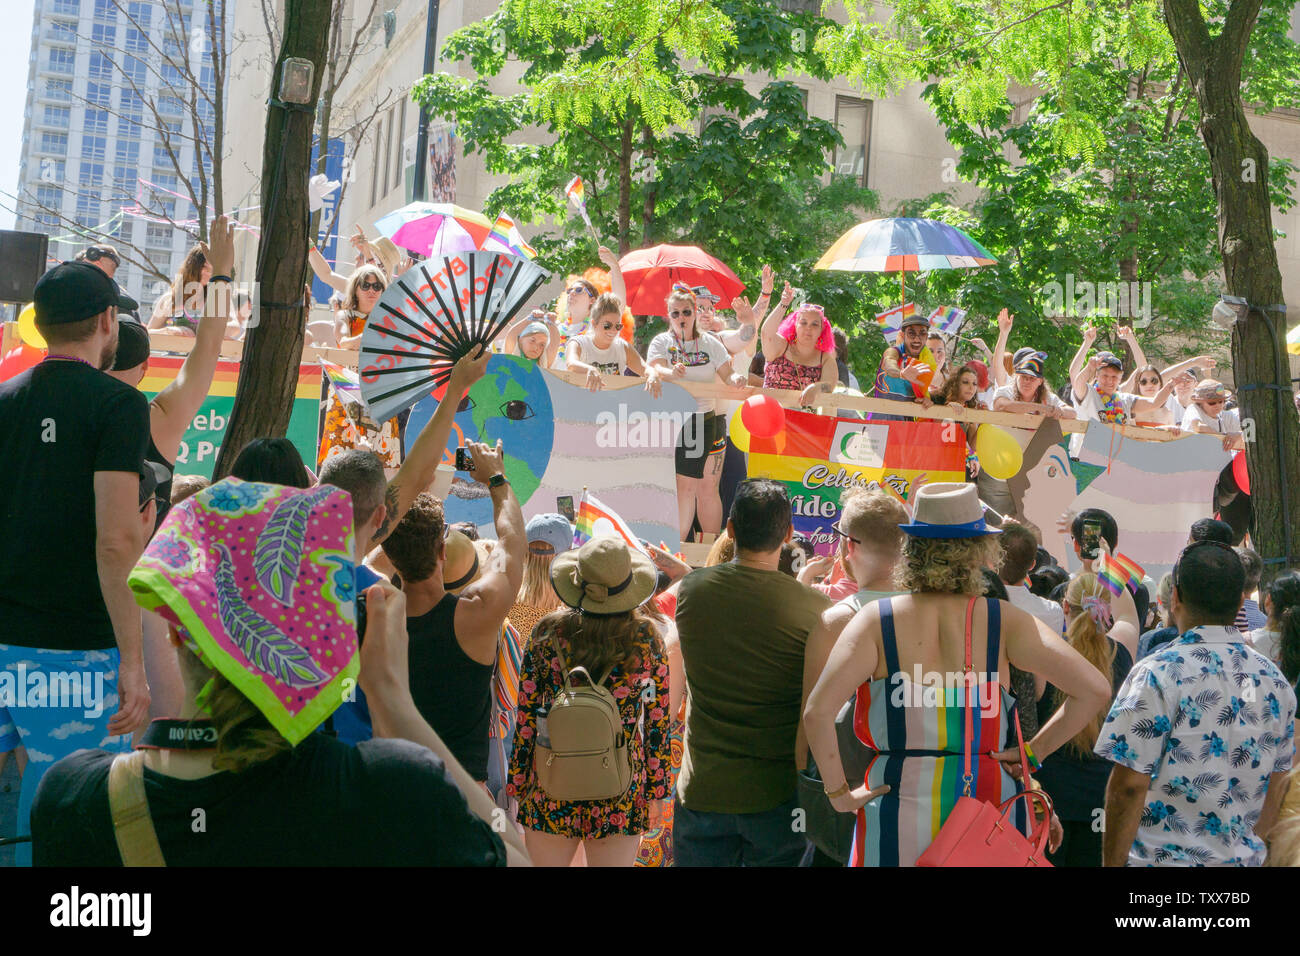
(948, 509)
(604, 576)
(1210, 388)
(461, 562)
(389, 255)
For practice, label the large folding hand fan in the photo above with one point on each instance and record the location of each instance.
(431, 315)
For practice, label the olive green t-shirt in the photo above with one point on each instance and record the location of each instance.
(742, 635)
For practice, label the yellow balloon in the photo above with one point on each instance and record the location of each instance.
(27, 327)
(738, 433)
(999, 454)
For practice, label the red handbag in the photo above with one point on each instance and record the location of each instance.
(978, 833)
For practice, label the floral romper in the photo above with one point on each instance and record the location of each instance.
(641, 690)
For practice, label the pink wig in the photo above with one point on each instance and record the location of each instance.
(825, 341)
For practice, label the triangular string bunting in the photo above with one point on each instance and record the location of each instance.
(474, 300)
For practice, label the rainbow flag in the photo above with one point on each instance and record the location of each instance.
(891, 320)
(578, 196)
(947, 319)
(506, 232)
(1129, 567)
(1111, 574)
(593, 518)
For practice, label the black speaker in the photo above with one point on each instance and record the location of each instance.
(22, 262)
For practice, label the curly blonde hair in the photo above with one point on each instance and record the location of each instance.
(946, 565)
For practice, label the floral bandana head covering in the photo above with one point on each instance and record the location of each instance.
(259, 580)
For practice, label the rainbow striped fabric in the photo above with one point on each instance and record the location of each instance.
(505, 680)
(591, 519)
(947, 319)
(1112, 574)
(507, 233)
(577, 194)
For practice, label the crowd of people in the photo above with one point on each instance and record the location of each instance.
(305, 653)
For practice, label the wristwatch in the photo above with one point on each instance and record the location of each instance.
(497, 480)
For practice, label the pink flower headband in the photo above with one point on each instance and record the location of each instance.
(825, 341)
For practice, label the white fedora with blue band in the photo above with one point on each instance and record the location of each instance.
(948, 509)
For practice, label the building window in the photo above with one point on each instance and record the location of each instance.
(101, 67)
(158, 235)
(72, 7)
(135, 41)
(57, 116)
(96, 121)
(853, 120)
(139, 11)
(54, 143)
(374, 165)
(103, 35)
(50, 197)
(401, 136)
(135, 69)
(128, 154)
(60, 90)
(99, 94)
(388, 148)
(106, 10)
(93, 147)
(62, 61)
(63, 31)
(92, 175)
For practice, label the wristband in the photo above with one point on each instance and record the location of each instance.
(1034, 764)
(213, 279)
(838, 791)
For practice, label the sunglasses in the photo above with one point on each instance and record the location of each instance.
(1215, 401)
(94, 254)
(161, 503)
(608, 326)
(844, 534)
(674, 313)
(1148, 381)
(578, 290)
(372, 286)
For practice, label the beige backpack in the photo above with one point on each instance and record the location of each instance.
(586, 758)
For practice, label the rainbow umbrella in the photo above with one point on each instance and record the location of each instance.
(903, 246)
(442, 229)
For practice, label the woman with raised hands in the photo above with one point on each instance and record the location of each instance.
(799, 350)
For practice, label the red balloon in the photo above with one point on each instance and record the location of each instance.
(18, 360)
(1239, 472)
(763, 416)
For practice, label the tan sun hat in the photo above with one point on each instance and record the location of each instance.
(604, 576)
(948, 509)
(389, 255)
(1210, 388)
(461, 564)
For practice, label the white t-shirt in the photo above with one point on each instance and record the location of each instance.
(1089, 410)
(1268, 642)
(702, 358)
(1228, 422)
(610, 361)
(1049, 612)
(1176, 408)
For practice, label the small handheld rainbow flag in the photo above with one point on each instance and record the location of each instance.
(891, 320)
(577, 194)
(947, 319)
(1111, 575)
(506, 232)
(593, 518)
(1130, 568)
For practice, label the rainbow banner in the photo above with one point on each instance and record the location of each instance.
(507, 233)
(202, 440)
(818, 458)
(891, 320)
(591, 518)
(947, 319)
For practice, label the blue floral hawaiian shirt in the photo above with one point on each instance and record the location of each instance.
(1209, 718)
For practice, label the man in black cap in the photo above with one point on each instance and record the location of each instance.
(73, 441)
(1096, 391)
(901, 368)
(105, 258)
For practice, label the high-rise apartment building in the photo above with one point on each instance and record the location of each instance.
(103, 113)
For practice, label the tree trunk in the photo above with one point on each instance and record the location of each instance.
(625, 186)
(268, 372)
(1239, 167)
(651, 187)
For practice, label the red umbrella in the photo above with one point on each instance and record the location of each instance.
(650, 274)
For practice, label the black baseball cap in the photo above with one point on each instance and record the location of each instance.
(74, 291)
(132, 344)
(1111, 359)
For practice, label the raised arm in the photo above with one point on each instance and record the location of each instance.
(617, 285)
(773, 344)
(1198, 361)
(421, 464)
(1127, 334)
(171, 412)
(321, 269)
(484, 604)
(552, 341)
(1081, 374)
(999, 362)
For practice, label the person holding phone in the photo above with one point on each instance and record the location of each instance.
(1095, 532)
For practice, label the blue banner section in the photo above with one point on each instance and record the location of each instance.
(328, 238)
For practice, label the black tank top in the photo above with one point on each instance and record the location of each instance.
(164, 490)
(451, 691)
